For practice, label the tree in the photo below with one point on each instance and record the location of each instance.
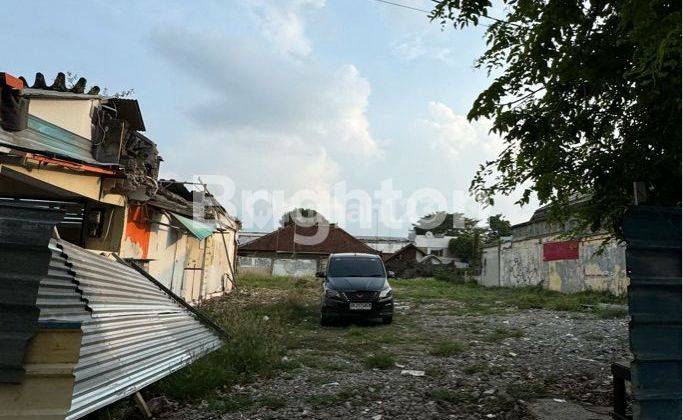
(463, 246)
(588, 98)
(441, 223)
(498, 227)
(467, 242)
(302, 217)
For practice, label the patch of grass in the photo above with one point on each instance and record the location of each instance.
(455, 396)
(610, 312)
(435, 372)
(345, 394)
(475, 368)
(255, 348)
(448, 348)
(230, 403)
(272, 401)
(500, 334)
(277, 282)
(379, 361)
(472, 295)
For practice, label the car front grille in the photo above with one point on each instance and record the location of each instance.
(361, 296)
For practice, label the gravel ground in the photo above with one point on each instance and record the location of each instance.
(504, 360)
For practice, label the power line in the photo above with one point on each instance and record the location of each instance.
(403, 5)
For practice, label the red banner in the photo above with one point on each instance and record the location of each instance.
(567, 250)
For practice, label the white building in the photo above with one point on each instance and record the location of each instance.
(433, 244)
(384, 244)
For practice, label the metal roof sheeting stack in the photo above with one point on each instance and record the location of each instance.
(134, 333)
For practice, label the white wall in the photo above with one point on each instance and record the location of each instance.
(70, 114)
(431, 242)
(294, 267)
(522, 264)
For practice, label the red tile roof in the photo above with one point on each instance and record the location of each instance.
(282, 240)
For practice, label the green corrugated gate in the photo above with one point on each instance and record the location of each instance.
(653, 260)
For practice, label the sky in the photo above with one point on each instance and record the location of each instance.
(277, 103)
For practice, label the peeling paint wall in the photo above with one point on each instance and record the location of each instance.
(136, 235)
(521, 264)
(167, 252)
(295, 267)
(255, 265)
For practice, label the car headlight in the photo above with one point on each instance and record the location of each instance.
(333, 294)
(385, 293)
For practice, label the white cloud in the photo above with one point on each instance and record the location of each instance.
(453, 134)
(267, 119)
(282, 24)
(412, 47)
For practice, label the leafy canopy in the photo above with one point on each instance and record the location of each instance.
(440, 223)
(587, 95)
(303, 217)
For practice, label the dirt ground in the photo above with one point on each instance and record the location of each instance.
(452, 352)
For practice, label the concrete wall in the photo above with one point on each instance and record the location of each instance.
(521, 264)
(294, 267)
(490, 267)
(280, 265)
(254, 265)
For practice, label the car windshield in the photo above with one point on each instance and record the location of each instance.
(356, 267)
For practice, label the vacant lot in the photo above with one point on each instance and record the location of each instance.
(477, 353)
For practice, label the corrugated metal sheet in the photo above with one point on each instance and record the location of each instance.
(653, 259)
(45, 137)
(198, 229)
(135, 333)
(24, 257)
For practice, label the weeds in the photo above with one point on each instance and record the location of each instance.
(609, 312)
(475, 368)
(230, 403)
(451, 395)
(255, 348)
(379, 361)
(448, 348)
(472, 295)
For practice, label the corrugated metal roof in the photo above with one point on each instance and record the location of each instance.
(24, 256)
(198, 229)
(134, 332)
(45, 137)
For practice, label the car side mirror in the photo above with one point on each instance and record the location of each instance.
(320, 274)
(391, 274)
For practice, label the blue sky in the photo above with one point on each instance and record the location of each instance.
(282, 95)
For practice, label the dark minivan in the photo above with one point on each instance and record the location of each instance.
(356, 286)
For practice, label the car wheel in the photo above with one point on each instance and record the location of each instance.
(325, 320)
(387, 320)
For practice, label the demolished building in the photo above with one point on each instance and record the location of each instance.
(100, 259)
